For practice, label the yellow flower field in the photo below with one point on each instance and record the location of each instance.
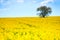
(30, 28)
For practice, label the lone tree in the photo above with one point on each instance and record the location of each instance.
(44, 11)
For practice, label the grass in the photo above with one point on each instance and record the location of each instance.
(30, 28)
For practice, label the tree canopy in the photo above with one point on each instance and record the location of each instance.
(44, 11)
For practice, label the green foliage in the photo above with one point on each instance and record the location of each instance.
(44, 11)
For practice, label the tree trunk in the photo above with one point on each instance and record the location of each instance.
(43, 16)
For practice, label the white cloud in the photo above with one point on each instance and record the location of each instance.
(20, 1)
(45, 2)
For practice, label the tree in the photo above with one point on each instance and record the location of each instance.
(44, 11)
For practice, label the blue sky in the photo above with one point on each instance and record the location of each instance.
(27, 8)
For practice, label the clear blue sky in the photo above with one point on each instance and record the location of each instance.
(18, 8)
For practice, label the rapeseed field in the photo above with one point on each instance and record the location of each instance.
(30, 28)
